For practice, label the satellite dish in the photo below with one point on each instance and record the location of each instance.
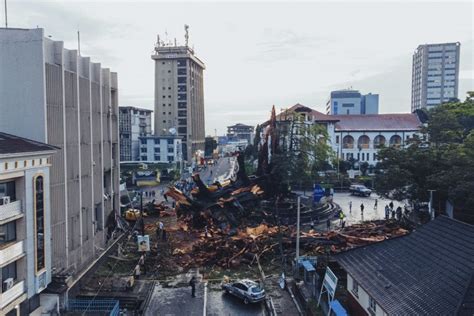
(172, 131)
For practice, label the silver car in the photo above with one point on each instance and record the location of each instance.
(247, 290)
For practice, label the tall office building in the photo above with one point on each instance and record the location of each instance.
(350, 102)
(179, 95)
(435, 75)
(53, 95)
(133, 123)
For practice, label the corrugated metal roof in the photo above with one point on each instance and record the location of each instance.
(11, 144)
(424, 273)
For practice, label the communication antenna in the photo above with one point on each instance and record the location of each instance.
(186, 34)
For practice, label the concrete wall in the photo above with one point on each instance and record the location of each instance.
(369, 154)
(75, 109)
(362, 298)
(22, 106)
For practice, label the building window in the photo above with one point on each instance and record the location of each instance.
(395, 141)
(8, 274)
(170, 142)
(16, 162)
(143, 150)
(143, 158)
(379, 141)
(182, 80)
(157, 149)
(6, 165)
(164, 121)
(372, 305)
(363, 142)
(143, 141)
(337, 139)
(8, 232)
(170, 150)
(355, 288)
(157, 157)
(164, 113)
(164, 104)
(39, 223)
(181, 62)
(182, 105)
(157, 141)
(348, 142)
(25, 163)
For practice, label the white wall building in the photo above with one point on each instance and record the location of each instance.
(53, 95)
(133, 123)
(25, 223)
(165, 149)
(435, 75)
(360, 137)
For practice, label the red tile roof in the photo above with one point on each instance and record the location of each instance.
(366, 122)
(378, 122)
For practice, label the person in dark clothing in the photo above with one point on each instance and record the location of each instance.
(399, 213)
(391, 205)
(362, 208)
(192, 283)
(328, 223)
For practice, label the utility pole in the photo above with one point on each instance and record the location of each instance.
(6, 15)
(431, 204)
(298, 234)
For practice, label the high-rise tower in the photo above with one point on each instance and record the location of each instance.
(179, 95)
(435, 75)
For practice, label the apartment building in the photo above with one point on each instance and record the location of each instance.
(53, 95)
(179, 95)
(25, 223)
(349, 102)
(133, 123)
(165, 149)
(435, 75)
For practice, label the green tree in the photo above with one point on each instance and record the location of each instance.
(443, 162)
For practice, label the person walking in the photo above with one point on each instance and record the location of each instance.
(362, 211)
(399, 213)
(376, 204)
(350, 207)
(341, 218)
(192, 284)
(328, 223)
(391, 205)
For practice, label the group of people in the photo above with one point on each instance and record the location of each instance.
(394, 213)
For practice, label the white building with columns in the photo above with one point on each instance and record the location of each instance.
(360, 137)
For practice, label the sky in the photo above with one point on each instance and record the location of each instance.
(259, 54)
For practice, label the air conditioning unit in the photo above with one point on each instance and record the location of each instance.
(4, 200)
(8, 283)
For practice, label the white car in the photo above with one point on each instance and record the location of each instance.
(248, 290)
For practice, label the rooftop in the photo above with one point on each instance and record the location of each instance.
(11, 144)
(378, 122)
(428, 272)
(134, 108)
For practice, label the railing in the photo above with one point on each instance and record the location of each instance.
(11, 251)
(10, 210)
(8, 296)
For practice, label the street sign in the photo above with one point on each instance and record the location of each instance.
(143, 243)
(328, 287)
(330, 282)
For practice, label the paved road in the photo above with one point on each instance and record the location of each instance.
(218, 172)
(221, 304)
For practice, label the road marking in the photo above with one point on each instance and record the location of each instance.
(205, 299)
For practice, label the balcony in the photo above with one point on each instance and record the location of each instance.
(10, 211)
(10, 251)
(15, 291)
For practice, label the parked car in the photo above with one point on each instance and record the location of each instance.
(359, 189)
(247, 290)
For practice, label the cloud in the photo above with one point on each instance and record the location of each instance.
(281, 44)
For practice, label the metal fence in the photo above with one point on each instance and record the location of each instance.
(94, 307)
